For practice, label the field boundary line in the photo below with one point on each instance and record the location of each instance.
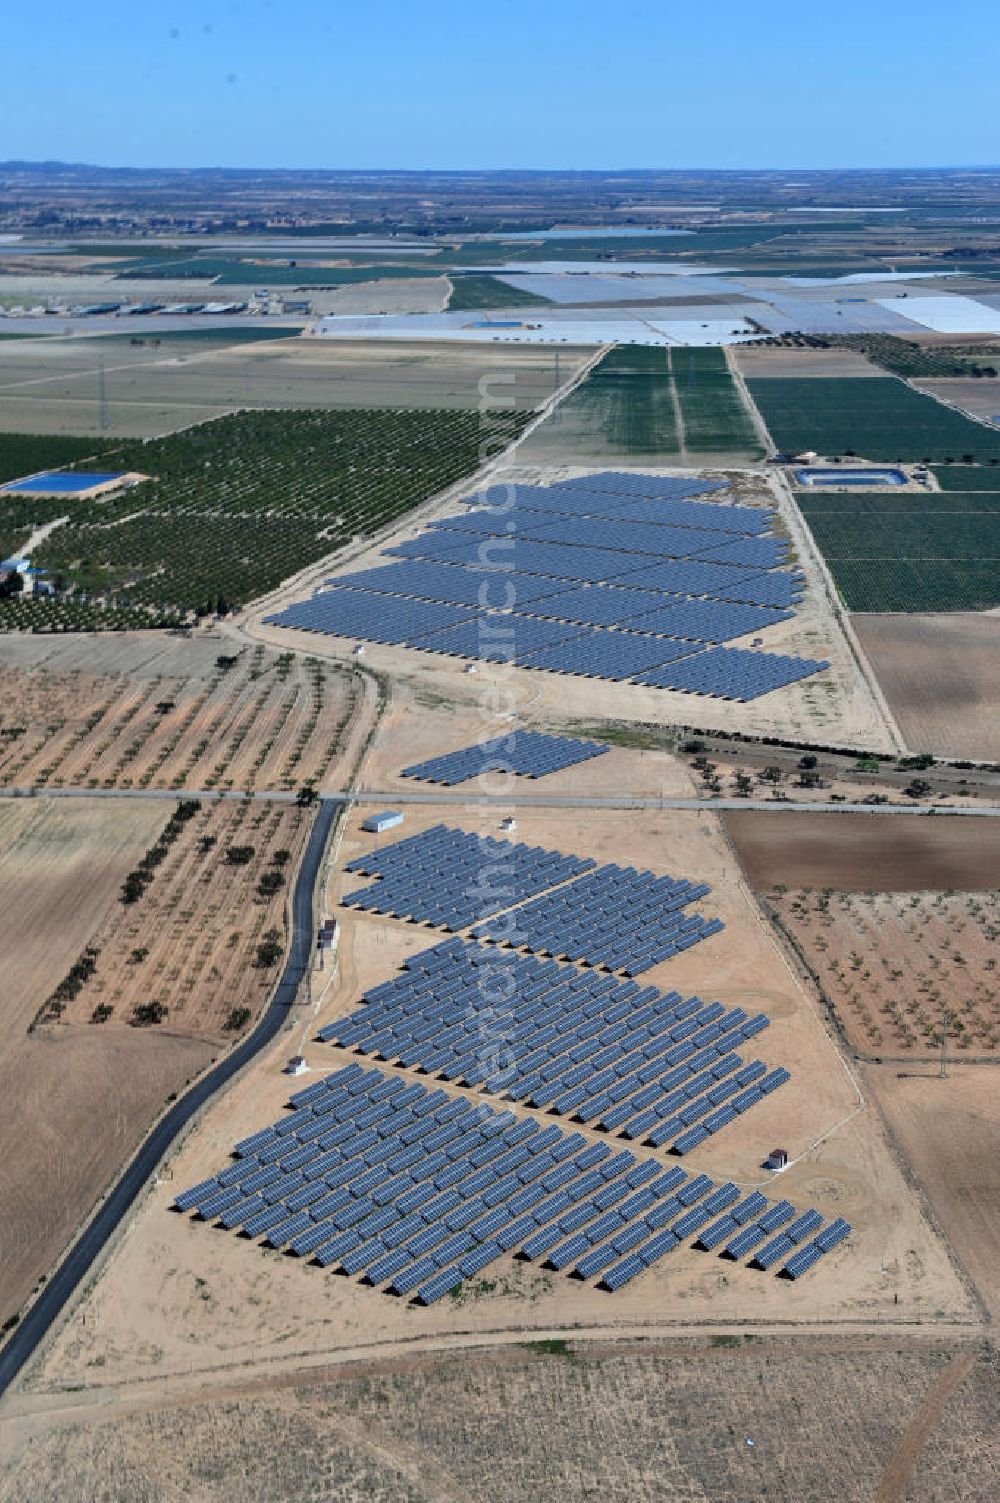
(753, 411)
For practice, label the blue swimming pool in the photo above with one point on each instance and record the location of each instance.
(843, 476)
(60, 483)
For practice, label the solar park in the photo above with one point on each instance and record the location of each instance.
(415, 1191)
(403, 1185)
(616, 576)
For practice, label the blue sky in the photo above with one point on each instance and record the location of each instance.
(552, 83)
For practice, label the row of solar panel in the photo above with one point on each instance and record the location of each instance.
(430, 1187)
(639, 610)
(587, 498)
(639, 539)
(450, 878)
(485, 550)
(639, 1062)
(528, 754)
(429, 566)
(615, 917)
(590, 652)
(631, 539)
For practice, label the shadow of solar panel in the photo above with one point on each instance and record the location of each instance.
(731, 673)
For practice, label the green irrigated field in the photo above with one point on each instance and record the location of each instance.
(223, 271)
(968, 478)
(715, 419)
(624, 408)
(490, 292)
(27, 453)
(877, 417)
(909, 553)
(237, 505)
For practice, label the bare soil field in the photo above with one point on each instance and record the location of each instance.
(222, 719)
(50, 386)
(700, 1421)
(190, 943)
(773, 360)
(939, 675)
(177, 1297)
(949, 1131)
(866, 852)
(903, 971)
(978, 396)
(417, 726)
(390, 295)
(71, 1107)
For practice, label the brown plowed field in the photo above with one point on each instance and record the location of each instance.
(903, 970)
(949, 1131)
(939, 675)
(867, 852)
(266, 721)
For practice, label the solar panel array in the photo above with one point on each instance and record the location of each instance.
(416, 1191)
(640, 1063)
(729, 673)
(450, 878)
(615, 917)
(585, 498)
(528, 754)
(627, 573)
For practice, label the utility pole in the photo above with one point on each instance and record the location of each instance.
(943, 1071)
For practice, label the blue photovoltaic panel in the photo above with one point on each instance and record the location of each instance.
(585, 497)
(340, 1219)
(375, 618)
(732, 673)
(615, 917)
(525, 753)
(505, 638)
(706, 620)
(424, 579)
(591, 652)
(437, 877)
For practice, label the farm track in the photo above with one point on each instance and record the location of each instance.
(103, 1225)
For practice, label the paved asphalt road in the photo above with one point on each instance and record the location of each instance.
(471, 800)
(80, 1259)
